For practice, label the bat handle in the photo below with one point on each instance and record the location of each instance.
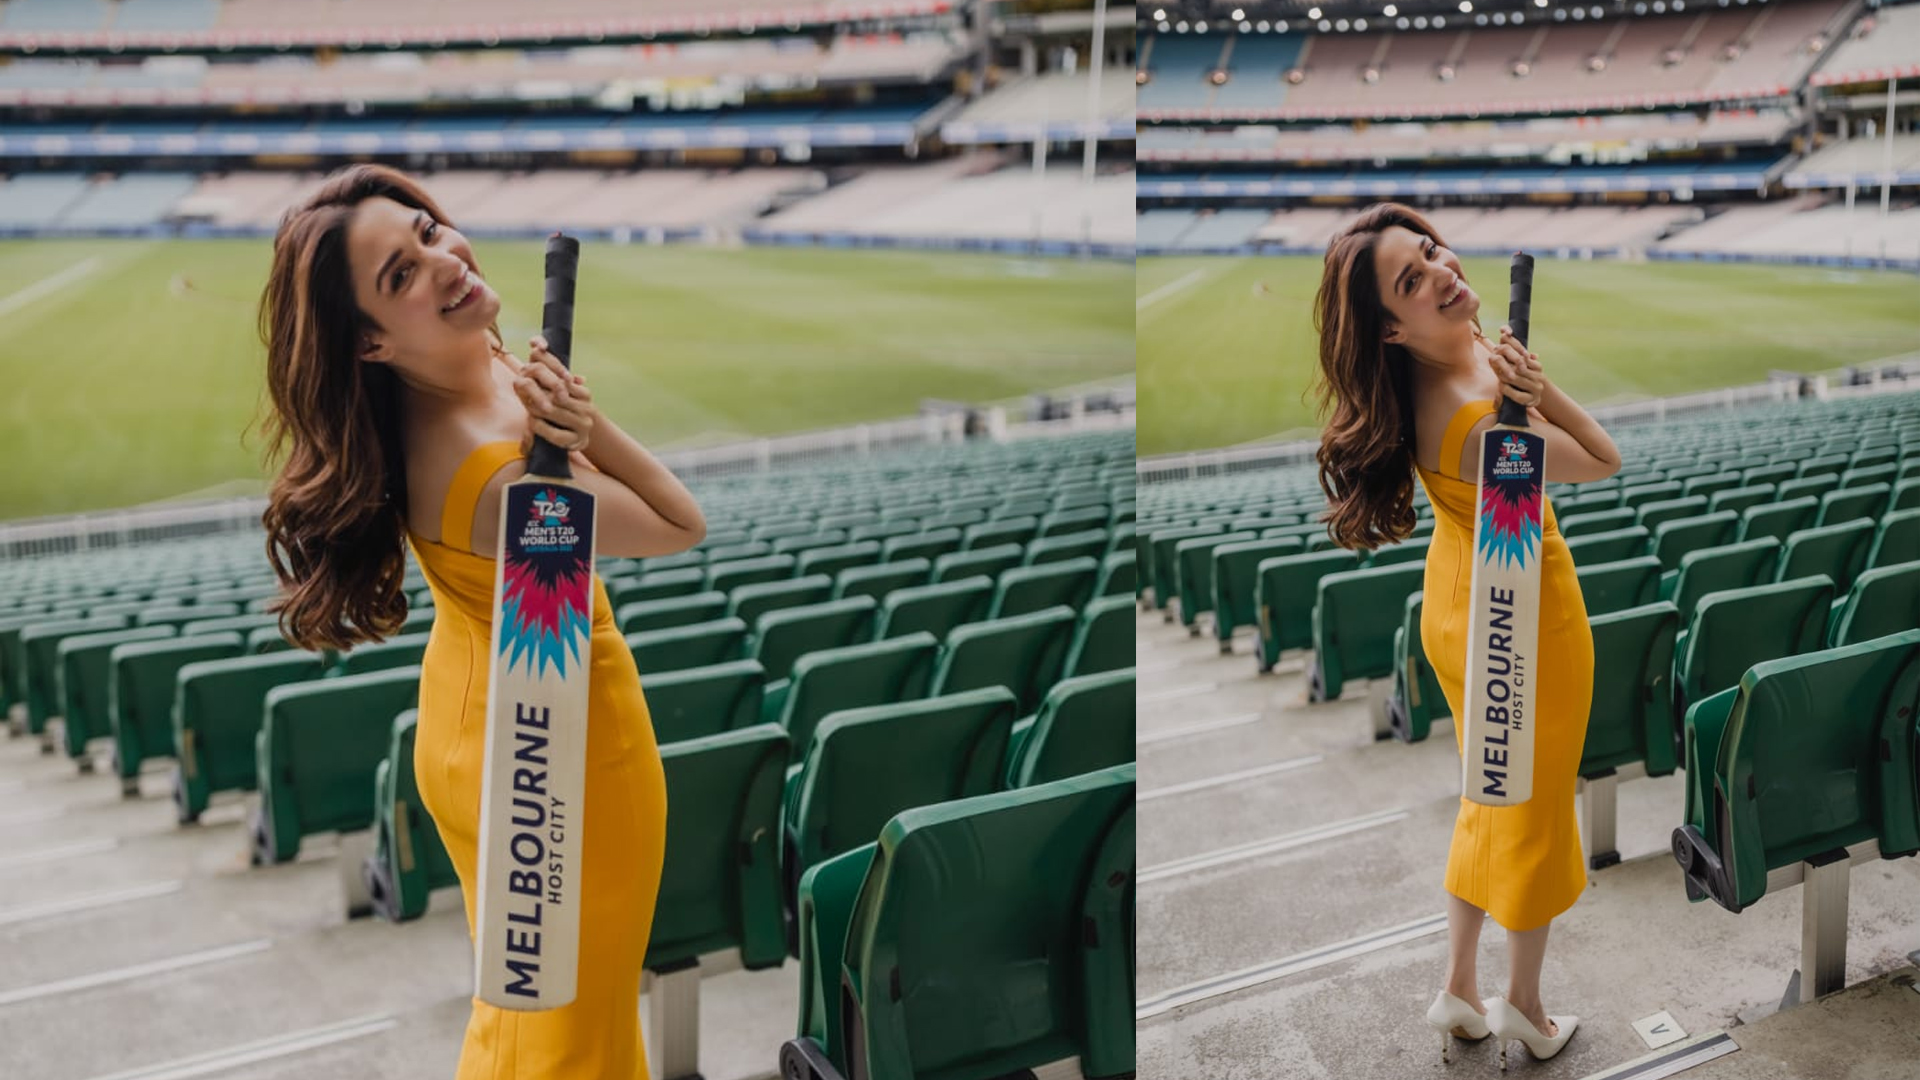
(556, 325)
(1519, 318)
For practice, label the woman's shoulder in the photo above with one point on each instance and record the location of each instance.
(1434, 408)
(436, 452)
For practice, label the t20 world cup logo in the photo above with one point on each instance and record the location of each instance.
(549, 508)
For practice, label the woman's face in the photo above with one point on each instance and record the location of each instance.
(417, 280)
(1425, 291)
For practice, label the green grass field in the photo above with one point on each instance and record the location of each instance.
(1223, 361)
(124, 388)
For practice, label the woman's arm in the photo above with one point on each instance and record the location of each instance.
(620, 456)
(1566, 414)
(1578, 449)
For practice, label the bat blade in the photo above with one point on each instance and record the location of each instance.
(533, 782)
(1499, 720)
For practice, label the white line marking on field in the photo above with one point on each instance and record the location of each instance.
(55, 854)
(1292, 965)
(1177, 692)
(87, 902)
(1269, 846)
(1229, 778)
(263, 1050)
(45, 286)
(135, 971)
(1197, 729)
(1168, 289)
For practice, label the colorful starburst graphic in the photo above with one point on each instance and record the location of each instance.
(1509, 521)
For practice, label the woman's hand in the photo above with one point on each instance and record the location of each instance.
(560, 409)
(1518, 370)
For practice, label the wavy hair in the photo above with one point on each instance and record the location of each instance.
(335, 517)
(1366, 383)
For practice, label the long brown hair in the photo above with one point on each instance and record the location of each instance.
(1366, 447)
(335, 517)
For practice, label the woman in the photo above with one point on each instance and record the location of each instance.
(1413, 384)
(401, 417)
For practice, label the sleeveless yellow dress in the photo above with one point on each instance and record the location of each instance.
(1521, 864)
(598, 1035)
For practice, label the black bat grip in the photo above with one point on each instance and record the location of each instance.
(1519, 314)
(556, 325)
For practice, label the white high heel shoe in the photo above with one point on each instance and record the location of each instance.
(1508, 1022)
(1451, 1014)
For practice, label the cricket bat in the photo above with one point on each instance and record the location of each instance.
(1504, 623)
(533, 786)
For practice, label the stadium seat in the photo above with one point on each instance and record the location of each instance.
(1412, 549)
(1739, 499)
(243, 623)
(1729, 566)
(316, 753)
(1076, 520)
(1102, 637)
(658, 585)
(724, 577)
(934, 609)
(1804, 768)
(217, 710)
(1354, 617)
(931, 544)
(1651, 515)
(1617, 586)
(937, 978)
(681, 647)
(831, 560)
(1084, 724)
(1808, 487)
(1906, 493)
(403, 651)
(828, 680)
(1846, 504)
(748, 602)
(881, 530)
(1117, 575)
(85, 679)
(1732, 630)
(1416, 696)
(267, 639)
(1778, 519)
(1018, 530)
(1024, 653)
(1709, 485)
(1026, 589)
(1611, 545)
(1087, 543)
(1896, 540)
(409, 860)
(1596, 521)
(1638, 495)
(738, 552)
(1160, 547)
(692, 703)
(1234, 566)
(990, 562)
(677, 611)
(1630, 722)
(1285, 591)
(783, 636)
(1673, 539)
(37, 661)
(1838, 551)
(879, 579)
(1881, 602)
(140, 695)
(1768, 474)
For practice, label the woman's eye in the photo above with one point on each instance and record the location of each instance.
(433, 229)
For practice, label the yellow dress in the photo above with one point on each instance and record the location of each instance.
(598, 1035)
(1522, 864)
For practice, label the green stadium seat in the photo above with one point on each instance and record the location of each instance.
(748, 602)
(676, 611)
(832, 560)
(1825, 463)
(823, 912)
(693, 703)
(1157, 550)
(879, 579)
(783, 636)
(1896, 540)
(828, 680)
(1354, 617)
(926, 545)
(1103, 637)
(1075, 520)
(1117, 575)
(1865, 501)
(1585, 502)
(1617, 586)
(245, 624)
(1709, 485)
(1674, 539)
(1595, 522)
(1862, 476)
(1906, 493)
(85, 681)
(1729, 566)
(724, 577)
(798, 545)
(1412, 549)
(991, 562)
(1740, 499)
(1881, 602)
(406, 650)
(1089, 543)
(1417, 699)
(267, 639)
(882, 530)
(37, 661)
(1778, 519)
(216, 715)
(1026, 589)
(960, 519)
(141, 690)
(317, 750)
(1768, 474)
(746, 549)
(658, 585)
(1234, 582)
(1018, 530)
(1285, 591)
(1732, 630)
(1024, 653)
(181, 614)
(1652, 515)
(941, 958)
(1809, 487)
(1630, 722)
(1084, 724)
(409, 860)
(934, 609)
(1632, 498)
(1838, 551)
(682, 647)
